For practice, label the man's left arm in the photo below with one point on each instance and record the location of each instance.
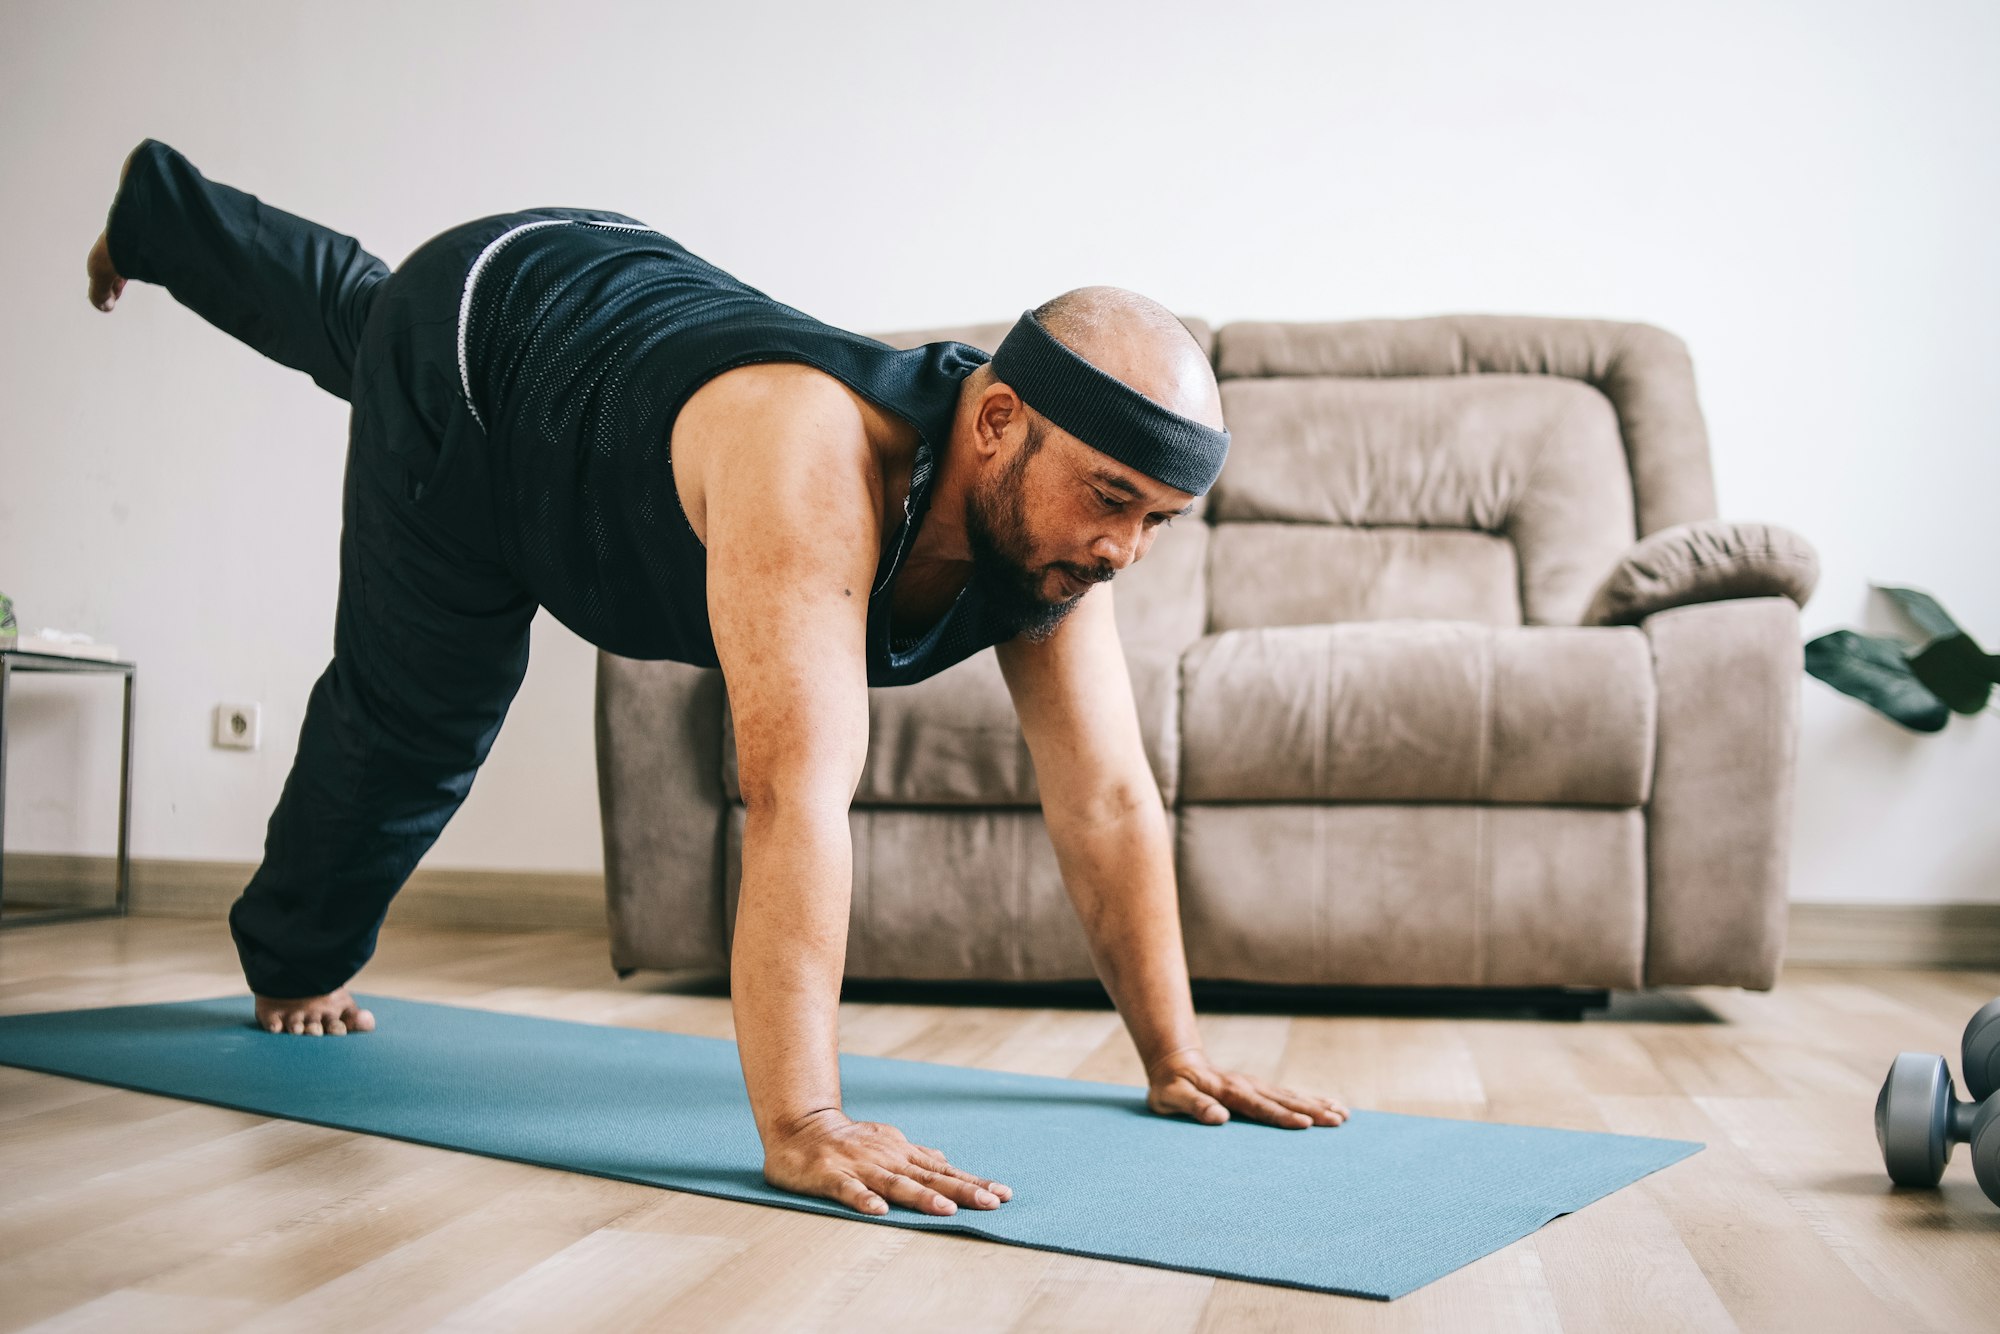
(1102, 806)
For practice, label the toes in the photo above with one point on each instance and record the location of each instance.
(313, 1027)
(364, 1022)
(335, 1027)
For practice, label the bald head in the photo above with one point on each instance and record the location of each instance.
(1139, 341)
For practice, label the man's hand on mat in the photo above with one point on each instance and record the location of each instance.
(1183, 1081)
(868, 1165)
(334, 1013)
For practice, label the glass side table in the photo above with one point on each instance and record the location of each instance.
(12, 661)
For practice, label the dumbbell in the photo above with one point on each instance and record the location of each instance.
(1918, 1117)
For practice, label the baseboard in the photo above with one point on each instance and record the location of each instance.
(169, 888)
(1951, 935)
(1916, 935)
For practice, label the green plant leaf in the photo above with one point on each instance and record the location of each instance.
(1957, 671)
(1875, 670)
(1922, 609)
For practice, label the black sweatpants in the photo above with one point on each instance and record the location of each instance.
(430, 638)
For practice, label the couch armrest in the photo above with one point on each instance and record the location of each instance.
(659, 785)
(1707, 560)
(1718, 827)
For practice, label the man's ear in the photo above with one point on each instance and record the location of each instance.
(999, 409)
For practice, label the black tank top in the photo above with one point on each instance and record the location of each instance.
(579, 341)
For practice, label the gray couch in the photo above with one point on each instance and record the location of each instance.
(1395, 744)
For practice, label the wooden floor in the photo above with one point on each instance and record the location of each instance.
(125, 1211)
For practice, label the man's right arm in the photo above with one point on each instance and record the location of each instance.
(794, 515)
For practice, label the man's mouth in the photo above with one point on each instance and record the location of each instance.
(1071, 583)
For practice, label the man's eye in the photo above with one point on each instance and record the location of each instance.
(1110, 502)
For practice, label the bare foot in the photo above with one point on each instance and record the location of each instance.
(334, 1013)
(106, 284)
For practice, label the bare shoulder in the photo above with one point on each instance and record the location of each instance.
(778, 416)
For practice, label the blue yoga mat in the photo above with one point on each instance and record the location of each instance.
(1377, 1207)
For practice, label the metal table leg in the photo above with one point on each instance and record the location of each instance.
(13, 661)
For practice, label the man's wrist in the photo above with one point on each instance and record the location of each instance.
(1153, 1066)
(791, 1123)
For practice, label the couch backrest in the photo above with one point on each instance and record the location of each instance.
(1475, 468)
(1470, 467)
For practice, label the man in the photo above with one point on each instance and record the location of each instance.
(565, 408)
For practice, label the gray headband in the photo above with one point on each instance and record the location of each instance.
(1106, 413)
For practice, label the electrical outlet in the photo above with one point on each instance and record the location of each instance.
(236, 726)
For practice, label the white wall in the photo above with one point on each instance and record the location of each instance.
(1806, 192)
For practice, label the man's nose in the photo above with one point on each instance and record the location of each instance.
(1117, 549)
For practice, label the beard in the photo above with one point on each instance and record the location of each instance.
(996, 530)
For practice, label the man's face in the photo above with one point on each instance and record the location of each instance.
(1026, 590)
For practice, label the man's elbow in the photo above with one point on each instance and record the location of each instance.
(1108, 802)
(812, 796)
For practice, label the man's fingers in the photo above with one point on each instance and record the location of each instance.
(1241, 1094)
(1312, 1109)
(1319, 1109)
(1266, 1109)
(955, 1186)
(931, 1158)
(854, 1193)
(906, 1191)
(1307, 1102)
(1183, 1096)
(1281, 1112)
(1203, 1107)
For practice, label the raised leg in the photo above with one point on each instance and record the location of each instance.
(295, 291)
